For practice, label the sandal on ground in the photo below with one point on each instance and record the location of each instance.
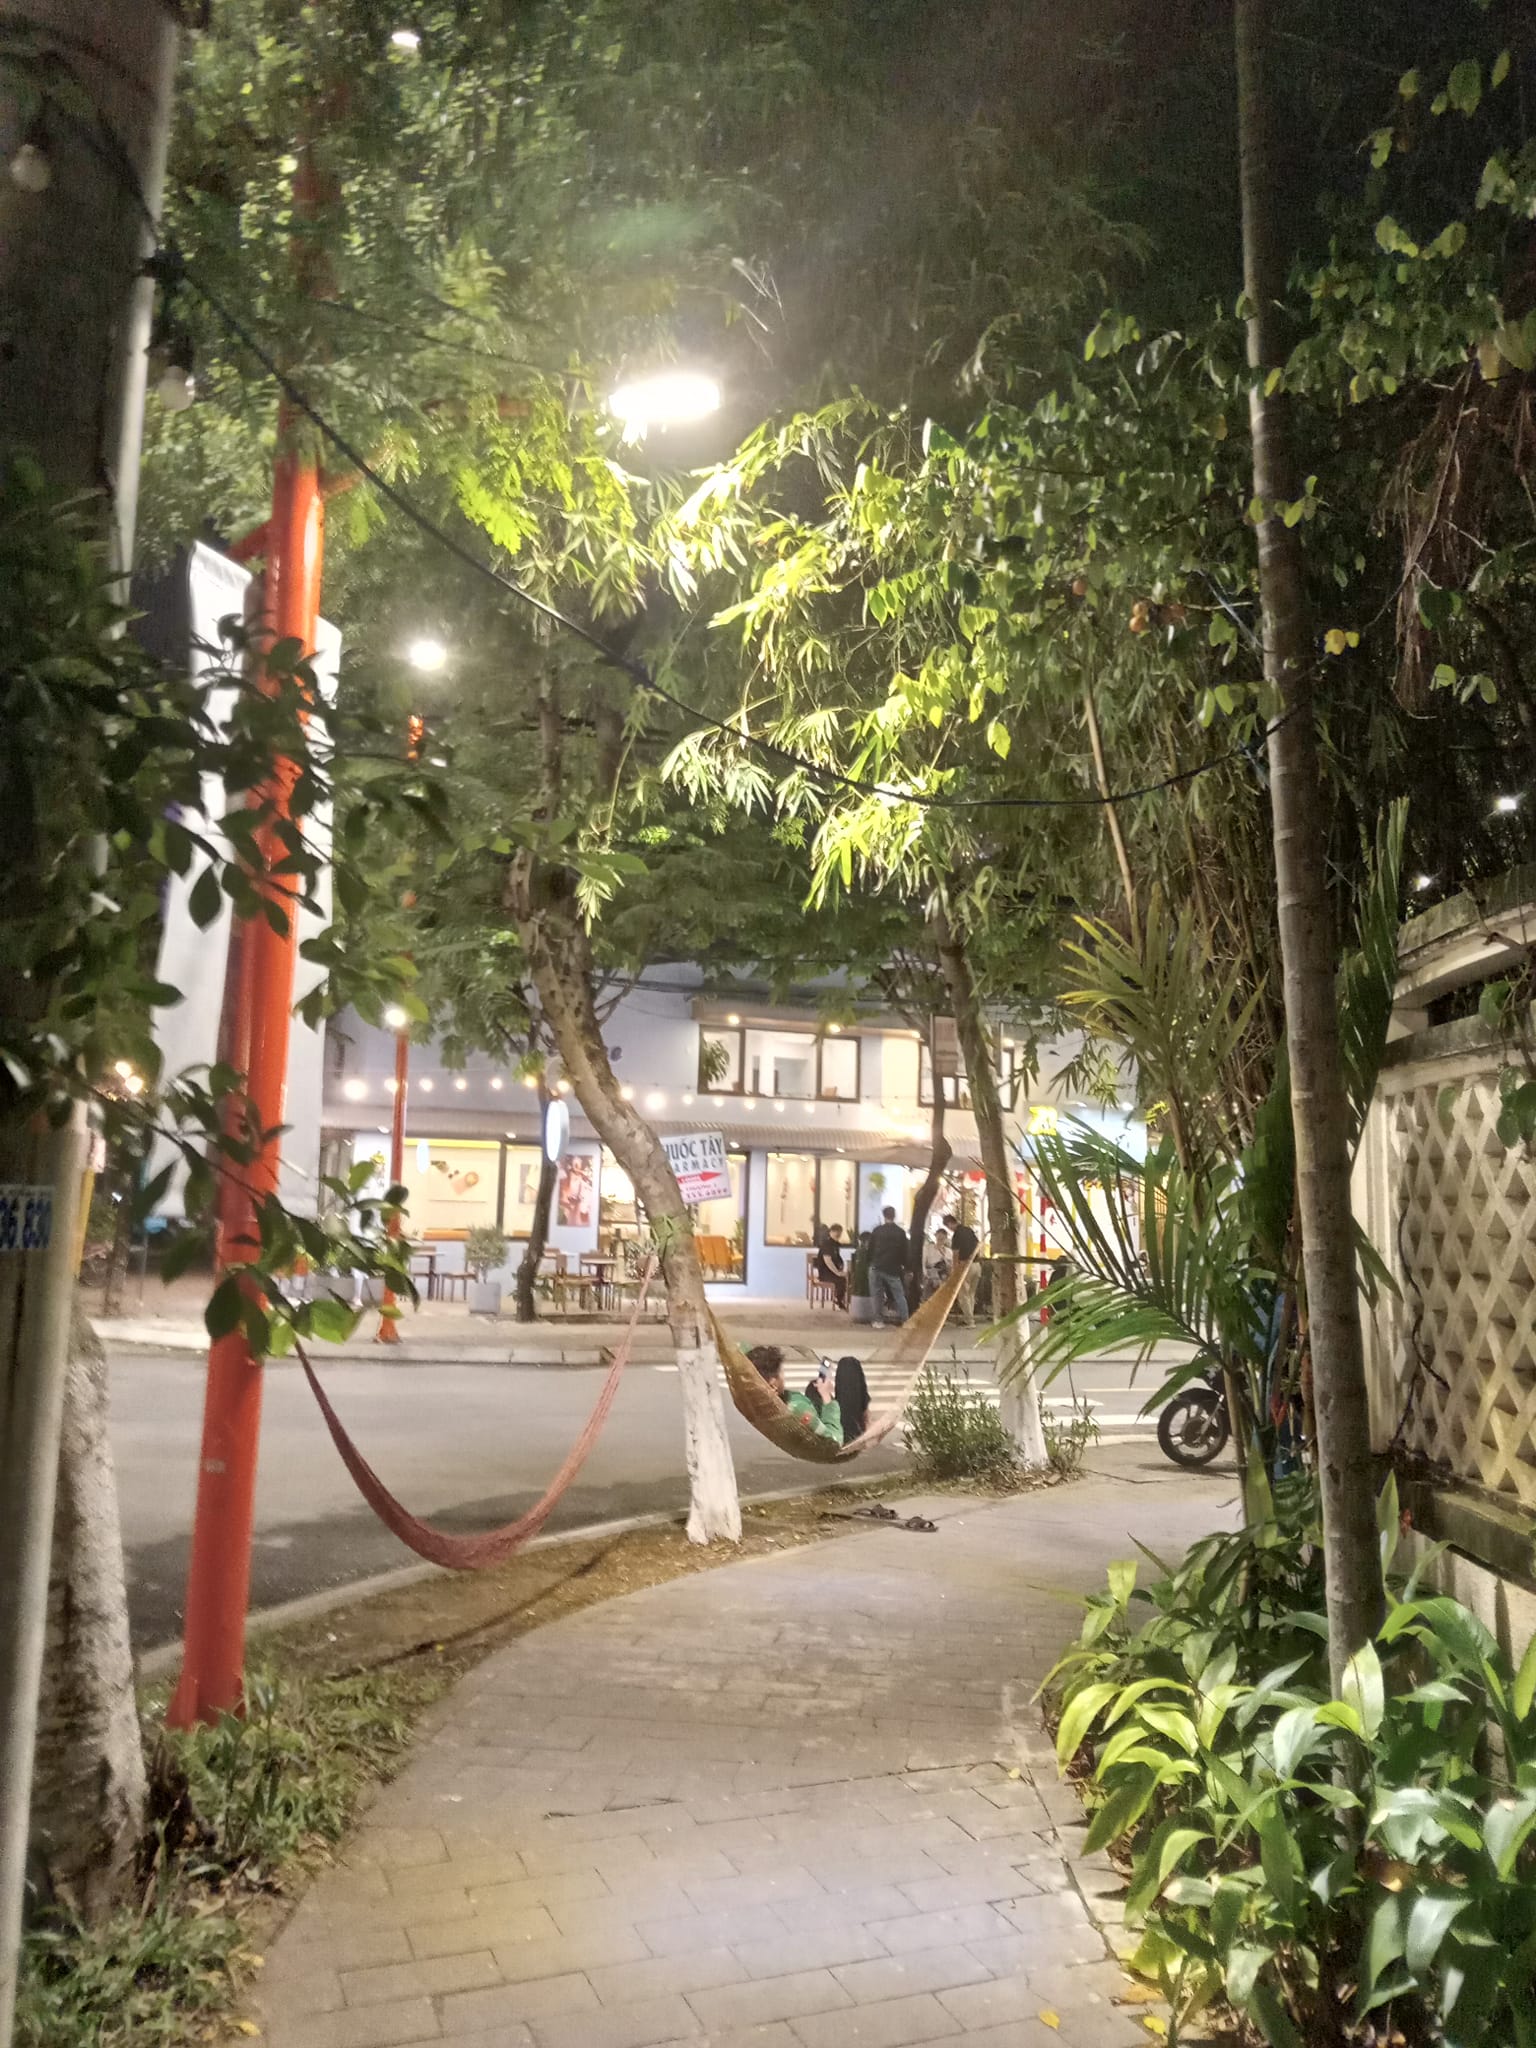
(878, 1512)
(922, 1524)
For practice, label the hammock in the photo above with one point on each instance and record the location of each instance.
(757, 1403)
(495, 1546)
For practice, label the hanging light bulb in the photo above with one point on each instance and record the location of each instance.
(175, 385)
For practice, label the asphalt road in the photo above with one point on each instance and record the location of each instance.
(467, 1446)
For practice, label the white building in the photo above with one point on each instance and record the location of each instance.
(822, 1125)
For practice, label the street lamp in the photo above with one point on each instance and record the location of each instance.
(664, 398)
(427, 655)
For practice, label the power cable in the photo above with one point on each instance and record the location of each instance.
(171, 268)
(638, 673)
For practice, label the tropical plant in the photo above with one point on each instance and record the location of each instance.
(954, 1432)
(485, 1248)
(1341, 1867)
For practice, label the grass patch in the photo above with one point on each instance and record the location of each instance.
(246, 1810)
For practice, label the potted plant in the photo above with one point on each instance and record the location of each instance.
(485, 1249)
(861, 1308)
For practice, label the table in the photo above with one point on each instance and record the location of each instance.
(600, 1267)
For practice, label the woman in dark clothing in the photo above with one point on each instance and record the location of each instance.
(829, 1261)
(852, 1398)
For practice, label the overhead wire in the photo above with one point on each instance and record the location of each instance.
(172, 267)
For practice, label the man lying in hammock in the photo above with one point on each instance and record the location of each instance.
(825, 1420)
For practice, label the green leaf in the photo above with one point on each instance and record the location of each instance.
(1078, 1717)
(1383, 1945)
(1244, 1962)
(222, 1315)
(1525, 1682)
(205, 899)
(1275, 2023)
(1388, 1521)
(1122, 1581)
(1500, 71)
(1506, 1825)
(1277, 1855)
(1464, 87)
(1429, 1919)
(1120, 1811)
(331, 1320)
(1294, 1737)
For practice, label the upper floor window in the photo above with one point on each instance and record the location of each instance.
(1009, 1068)
(794, 1066)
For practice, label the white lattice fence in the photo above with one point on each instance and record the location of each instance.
(1460, 1210)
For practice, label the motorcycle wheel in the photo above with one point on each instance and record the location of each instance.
(1193, 1429)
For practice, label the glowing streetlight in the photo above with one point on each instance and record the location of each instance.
(1506, 804)
(427, 655)
(405, 38)
(666, 398)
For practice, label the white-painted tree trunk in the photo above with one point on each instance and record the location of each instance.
(1019, 1407)
(88, 1789)
(714, 1507)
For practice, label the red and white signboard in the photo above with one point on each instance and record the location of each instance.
(699, 1163)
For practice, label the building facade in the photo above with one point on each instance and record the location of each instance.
(821, 1123)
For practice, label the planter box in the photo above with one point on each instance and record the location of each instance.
(861, 1308)
(485, 1297)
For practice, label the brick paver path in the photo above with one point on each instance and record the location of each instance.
(772, 1805)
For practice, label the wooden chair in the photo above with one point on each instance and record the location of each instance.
(717, 1258)
(453, 1287)
(820, 1292)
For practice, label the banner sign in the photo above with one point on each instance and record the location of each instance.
(26, 1217)
(699, 1163)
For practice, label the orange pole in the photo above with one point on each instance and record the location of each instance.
(219, 1575)
(389, 1326)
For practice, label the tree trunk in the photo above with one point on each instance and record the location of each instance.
(88, 1789)
(940, 1152)
(560, 961)
(538, 1237)
(1307, 951)
(74, 310)
(1111, 814)
(1002, 1199)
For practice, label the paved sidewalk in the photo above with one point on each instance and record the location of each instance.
(772, 1805)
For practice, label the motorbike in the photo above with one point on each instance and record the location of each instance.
(1194, 1427)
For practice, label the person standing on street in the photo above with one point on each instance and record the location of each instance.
(887, 1264)
(963, 1247)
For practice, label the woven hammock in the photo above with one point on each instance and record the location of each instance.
(757, 1403)
(494, 1546)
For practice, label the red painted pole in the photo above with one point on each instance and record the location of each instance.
(389, 1326)
(219, 1575)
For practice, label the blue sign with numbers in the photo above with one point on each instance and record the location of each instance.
(26, 1217)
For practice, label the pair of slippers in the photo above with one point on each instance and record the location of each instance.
(880, 1513)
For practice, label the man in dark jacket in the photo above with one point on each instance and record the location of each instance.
(887, 1264)
(963, 1247)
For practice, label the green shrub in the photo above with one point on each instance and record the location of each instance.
(1341, 1870)
(1068, 1437)
(954, 1432)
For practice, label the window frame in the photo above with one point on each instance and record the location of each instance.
(817, 1159)
(739, 1088)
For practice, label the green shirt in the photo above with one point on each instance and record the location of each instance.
(825, 1421)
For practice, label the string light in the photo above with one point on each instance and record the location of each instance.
(354, 1090)
(496, 1083)
(396, 1018)
(426, 1085)
(406, 38)
(1506, 804)
(626, 1093)
(461, 1084)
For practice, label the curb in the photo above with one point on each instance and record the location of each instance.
(161, 1660)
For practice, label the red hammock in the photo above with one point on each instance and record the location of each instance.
(495, 1546)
